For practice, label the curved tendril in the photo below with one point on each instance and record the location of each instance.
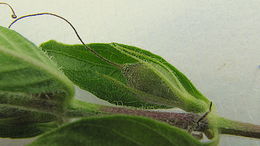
(13, 15)
(85, 45)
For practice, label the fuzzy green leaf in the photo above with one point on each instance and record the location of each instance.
(118, 130)
(15, 129)
(32, 89)
(145, 78)
(94, 75)
(156, 76)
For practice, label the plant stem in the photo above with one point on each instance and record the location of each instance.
(237, 128)
(180, 120)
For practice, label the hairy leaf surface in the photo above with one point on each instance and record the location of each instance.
(32, 89)
(93, 74)
(145, 79)
(118, 130)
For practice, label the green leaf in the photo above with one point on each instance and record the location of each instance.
(118, 130)
(15, 129)
(156, 76)
(32, 89)
(93, 74)
(145, 79)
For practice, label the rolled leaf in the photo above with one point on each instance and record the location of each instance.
(32, 89)
(145, 79)
(117, 131)
(155, 76)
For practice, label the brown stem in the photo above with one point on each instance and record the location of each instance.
(238, 128)
(181, 120)
(188, 121)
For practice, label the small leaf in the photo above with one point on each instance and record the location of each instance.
(118, 130)
(144, 79)
(32, 89)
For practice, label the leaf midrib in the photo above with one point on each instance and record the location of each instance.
(81, 60)
(40, 66)
(14, 46)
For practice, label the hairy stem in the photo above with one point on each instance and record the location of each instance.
(186, 121)
(181, 120)
(238, 128)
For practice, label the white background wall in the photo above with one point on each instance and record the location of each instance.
(216, 43)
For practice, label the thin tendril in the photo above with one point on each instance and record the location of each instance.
(86, 46)
(13, 15)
